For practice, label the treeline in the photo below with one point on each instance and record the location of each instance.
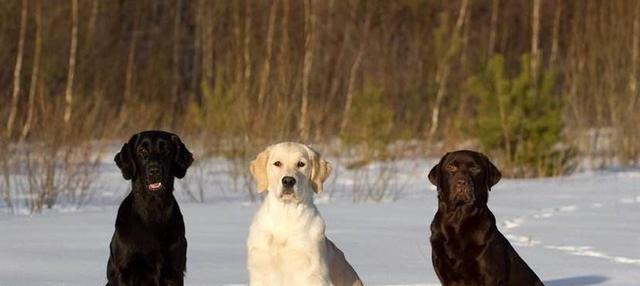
(534, 82)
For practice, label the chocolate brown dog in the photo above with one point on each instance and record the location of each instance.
(467, 248)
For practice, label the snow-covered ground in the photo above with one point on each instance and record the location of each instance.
(577, 230)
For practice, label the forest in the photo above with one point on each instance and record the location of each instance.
(543, 86)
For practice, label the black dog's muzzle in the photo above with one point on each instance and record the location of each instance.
(155, 176)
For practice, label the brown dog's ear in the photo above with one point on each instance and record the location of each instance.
(493, 174)
(258, 170)
(321, 169)
(182, 160)
(434, 174)
(124, 159)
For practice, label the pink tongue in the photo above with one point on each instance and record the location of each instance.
(155, 186)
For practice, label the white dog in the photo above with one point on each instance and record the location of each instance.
(286, 244)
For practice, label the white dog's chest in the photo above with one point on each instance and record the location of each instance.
(288, 246)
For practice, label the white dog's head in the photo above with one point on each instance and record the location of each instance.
(290, 171)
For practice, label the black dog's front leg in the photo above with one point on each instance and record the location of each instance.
(132, 270)
(175, 264)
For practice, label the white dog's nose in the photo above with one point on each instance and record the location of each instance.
(288, 181)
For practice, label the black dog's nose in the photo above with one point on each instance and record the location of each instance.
(288, 182)
(153, 171)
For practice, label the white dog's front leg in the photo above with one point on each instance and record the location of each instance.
(259, 258)
(312, 266)
(259, 266)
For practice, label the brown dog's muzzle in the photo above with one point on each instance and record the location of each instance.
(463, 191)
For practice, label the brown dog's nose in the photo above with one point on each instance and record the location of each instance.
(288, 182)
(462, 183)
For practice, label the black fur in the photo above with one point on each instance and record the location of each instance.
(467, 248)
(149, 246)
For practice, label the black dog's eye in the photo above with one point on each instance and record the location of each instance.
(300, 164)
(451, 168)
(475, 169)
(277, 164)
(142, 152)
(164, 148)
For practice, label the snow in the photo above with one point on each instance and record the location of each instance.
(577, 230)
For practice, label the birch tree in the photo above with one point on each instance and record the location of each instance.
(35, 70)
(68, 95)
(309, 45)
(444, 67)
(17, 71)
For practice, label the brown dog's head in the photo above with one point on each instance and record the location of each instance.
(152, 159)
(464, 177)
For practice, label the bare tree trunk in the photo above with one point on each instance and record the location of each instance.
(246, 85)
(238, 44)
(555, 35)
(266, 67)
(350, 89)
(465, 43)
(68, 97)
(309, 24)
(633, 75)
(196, 55)
(247, 49)
(207, 44)
(128, 84)
(93, 19)
(495, 7)
(131, 60)
(283, 80)
(175, 57)
(336, 79)
(535, 36)
(34, 72)
(17, 71)
(353, 74)
(444, 68)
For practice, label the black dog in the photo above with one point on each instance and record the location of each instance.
(467, 248)
(149, 246)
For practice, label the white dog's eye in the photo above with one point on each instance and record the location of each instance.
(277, 164)
(300, 164)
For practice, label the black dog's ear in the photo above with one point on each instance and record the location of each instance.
(434, 174)
(182, 159)
(493, 174)
(124, 159)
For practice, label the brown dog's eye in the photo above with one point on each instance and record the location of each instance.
(475, 169)
(300, 164)
(277, 164)
(451, 168)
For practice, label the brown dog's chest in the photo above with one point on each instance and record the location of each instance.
(458, 245)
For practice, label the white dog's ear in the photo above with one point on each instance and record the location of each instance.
(320, 171)
(259, 171)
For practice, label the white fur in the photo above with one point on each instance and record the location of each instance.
(286, 244)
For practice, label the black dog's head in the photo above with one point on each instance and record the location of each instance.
(153, 159)
(464, 177)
